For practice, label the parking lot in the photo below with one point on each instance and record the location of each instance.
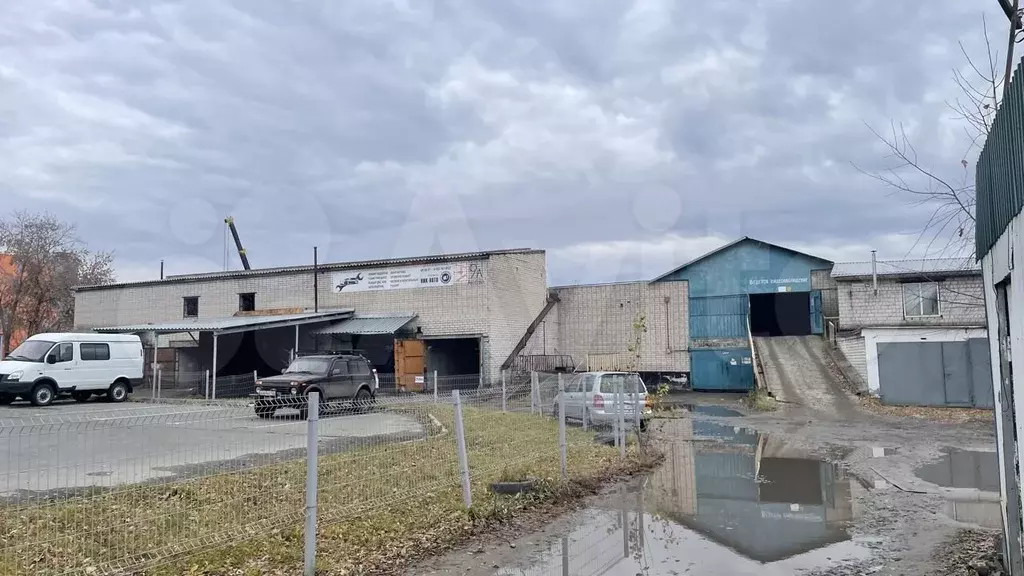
(71, 445)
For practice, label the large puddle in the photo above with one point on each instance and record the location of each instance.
(742, 504)
(963, 469)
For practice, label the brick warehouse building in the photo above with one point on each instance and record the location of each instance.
(472, 315)
(458, 314)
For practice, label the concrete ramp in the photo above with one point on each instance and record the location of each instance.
(796, 372)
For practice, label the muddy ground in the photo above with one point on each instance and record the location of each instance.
(795, 491)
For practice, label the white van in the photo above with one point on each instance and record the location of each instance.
(46, 366)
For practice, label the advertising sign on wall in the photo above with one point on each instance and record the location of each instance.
(405, 277)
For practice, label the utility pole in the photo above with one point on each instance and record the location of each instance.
(1012, 10)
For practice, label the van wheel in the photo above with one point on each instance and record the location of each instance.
(6, 399)
(42, 395)
(118, 392)
(81, 396)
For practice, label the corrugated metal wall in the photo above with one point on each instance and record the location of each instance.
(999, 175)
(718, 317)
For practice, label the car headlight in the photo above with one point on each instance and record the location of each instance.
(16, 375)
(294, 391)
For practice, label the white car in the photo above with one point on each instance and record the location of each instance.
(46, 366)
(590, 396)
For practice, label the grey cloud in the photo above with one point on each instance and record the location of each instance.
(336, 123)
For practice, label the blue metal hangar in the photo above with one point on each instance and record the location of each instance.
(744, 290)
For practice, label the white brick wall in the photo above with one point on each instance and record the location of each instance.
(500, 308)
(853, 348)
(961, 303)
(597, 321)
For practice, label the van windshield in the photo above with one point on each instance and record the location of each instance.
(30, 351)
(631, 383)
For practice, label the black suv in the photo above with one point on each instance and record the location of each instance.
(343, 380)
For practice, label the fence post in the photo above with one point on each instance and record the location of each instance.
(621, 419)
(159, 383)
(207, 394)
(637, 415)
(311, 484)
(561, 427)
(534, 392)
(255, 377)
(435, 386)
(504, 405)
(460, 439)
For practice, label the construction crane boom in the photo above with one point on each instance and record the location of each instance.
(238, 242)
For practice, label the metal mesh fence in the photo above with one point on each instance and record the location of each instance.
(211, 487)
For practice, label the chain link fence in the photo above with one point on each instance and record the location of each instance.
(209, 487)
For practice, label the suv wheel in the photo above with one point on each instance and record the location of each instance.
(42, 395)
(364, 400)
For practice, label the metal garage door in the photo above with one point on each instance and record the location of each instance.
(935, 373)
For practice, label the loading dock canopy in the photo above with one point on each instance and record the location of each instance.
(365, 324)
(231, 324)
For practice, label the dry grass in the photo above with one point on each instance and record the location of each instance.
(379, 507)
(934, 414)
(761, 401)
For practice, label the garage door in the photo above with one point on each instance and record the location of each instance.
(935, 373)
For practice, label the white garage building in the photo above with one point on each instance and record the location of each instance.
(458, 314)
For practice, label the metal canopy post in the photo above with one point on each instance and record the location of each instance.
(296, 339)
(213, 371)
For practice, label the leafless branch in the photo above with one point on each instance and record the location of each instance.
(42, 259)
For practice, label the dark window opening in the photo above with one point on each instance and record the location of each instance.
(93, 351)
(780, 314)
(247, 302)
(190, 307)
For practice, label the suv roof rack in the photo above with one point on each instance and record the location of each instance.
(331, 353)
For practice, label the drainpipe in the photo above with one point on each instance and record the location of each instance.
(874, 271)
(316, 283)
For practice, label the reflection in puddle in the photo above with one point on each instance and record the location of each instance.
(715, 411)
(963, 469)
(984, 514)
(751, 505)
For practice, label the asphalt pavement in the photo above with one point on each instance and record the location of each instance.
(71, 445)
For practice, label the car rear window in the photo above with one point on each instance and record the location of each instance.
(631, 383)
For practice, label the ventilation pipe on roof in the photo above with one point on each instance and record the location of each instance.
(161, 269)
(874, 271)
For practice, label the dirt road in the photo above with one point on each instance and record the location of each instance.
(772, 493)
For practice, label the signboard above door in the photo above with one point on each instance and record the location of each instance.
(404, 277)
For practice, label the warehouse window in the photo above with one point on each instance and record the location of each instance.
(94, 351)
(247, 302)
(190, 307)
(920, 299)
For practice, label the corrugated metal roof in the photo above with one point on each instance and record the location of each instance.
(947, 266)
(230, 324)
(369, 324)
(327, 267)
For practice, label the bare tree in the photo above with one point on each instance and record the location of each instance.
(948, 193)
(47, 260)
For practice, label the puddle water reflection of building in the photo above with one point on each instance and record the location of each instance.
(742, 503)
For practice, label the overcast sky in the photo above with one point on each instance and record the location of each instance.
(622, 137)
